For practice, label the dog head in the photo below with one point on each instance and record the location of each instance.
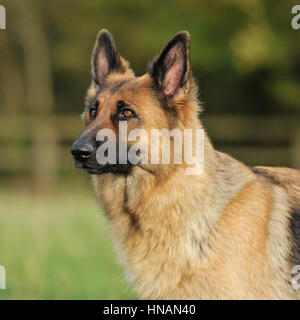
(163, 98)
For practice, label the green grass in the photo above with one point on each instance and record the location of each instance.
(58, 247)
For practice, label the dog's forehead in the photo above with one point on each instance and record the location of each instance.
(120, 88)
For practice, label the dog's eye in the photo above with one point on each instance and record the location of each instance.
(93, 112)
(126, 114)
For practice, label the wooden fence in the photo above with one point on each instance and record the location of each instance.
(40, 147)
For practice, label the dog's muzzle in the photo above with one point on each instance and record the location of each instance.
(84, 154)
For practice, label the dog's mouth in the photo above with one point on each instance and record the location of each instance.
(101, 169)
(93, 170)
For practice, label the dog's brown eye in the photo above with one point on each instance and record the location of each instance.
(127, 113)
(93, 113)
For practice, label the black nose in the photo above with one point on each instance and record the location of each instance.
(82, 151)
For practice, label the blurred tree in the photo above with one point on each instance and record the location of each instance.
(12, 91)
(40, 95)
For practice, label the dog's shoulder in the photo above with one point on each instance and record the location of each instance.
(288, 179)
(285, 177)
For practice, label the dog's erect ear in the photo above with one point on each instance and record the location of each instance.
(105, 58)
(171, 68)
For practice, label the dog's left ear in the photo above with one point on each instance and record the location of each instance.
(170, 70)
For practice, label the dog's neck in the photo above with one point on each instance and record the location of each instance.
(152, 201)
(161, 215)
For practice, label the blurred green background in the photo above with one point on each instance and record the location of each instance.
(54, 238)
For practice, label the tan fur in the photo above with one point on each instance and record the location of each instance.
(223, 234)
(182, 251)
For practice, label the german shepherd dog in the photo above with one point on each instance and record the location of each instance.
(231, 232)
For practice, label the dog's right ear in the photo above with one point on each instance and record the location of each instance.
(105, 58)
